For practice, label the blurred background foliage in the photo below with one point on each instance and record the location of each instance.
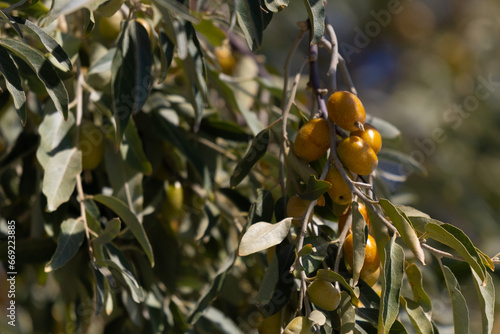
(422, 61)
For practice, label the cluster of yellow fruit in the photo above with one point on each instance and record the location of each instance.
(357, 152)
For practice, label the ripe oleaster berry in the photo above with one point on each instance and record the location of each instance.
(312, 140)
(357, 156)
(346, 110)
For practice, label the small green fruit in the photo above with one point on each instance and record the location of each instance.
(324, 295)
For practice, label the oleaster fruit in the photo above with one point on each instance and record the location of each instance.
(346, 110)
(312, 140)
(357, 156)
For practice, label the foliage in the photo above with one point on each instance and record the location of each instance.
(169, 234)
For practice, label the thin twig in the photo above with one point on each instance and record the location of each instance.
(79, 186)
(334, 60)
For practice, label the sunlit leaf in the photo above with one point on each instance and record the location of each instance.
(486, 296)
(417, 316)
(262, 235)
(317, 317)
(252, 20)
(68, 243)
(43, 69)
(316, 12)
(456, 239)
(391, 286)
(414, 277)
(59, 179)
(458, 302)
(256, 151)
(405, 229)
(13, 82)
(48, 42)
(130, 220)
(63, 7)
(276, 5)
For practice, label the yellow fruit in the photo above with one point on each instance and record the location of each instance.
(298, 325)
(110, 7)
(296, 207)
(312, 140)
(346, 110)
(91, 144)
(324, 295)
(109, 27)
(371, 278)
(271, 325)
(175, 195)
(225, 58)
(339, 191)
(343, 218)
(372, 261)
(357, 156)
(371, 136)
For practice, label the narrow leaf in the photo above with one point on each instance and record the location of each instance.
(132, 151)
(44, 70)
(110, 232)
(213, 291)
(13, 82)
(262, 235)
(315, 188)
(316, 13)
(404, 227)
(358, 240)
(486, 296)
(458, 302)
(68, 243)
(391, 287)
(118, 262)
(48, 42)
(167, 54)
(130, 219)
(64, 7)
(347, 314)
(256, 151)
(418, 318)
(271, 276)
(131, 73)
(60, 177)
(251, 20)
(414, 277)
(456, 239)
